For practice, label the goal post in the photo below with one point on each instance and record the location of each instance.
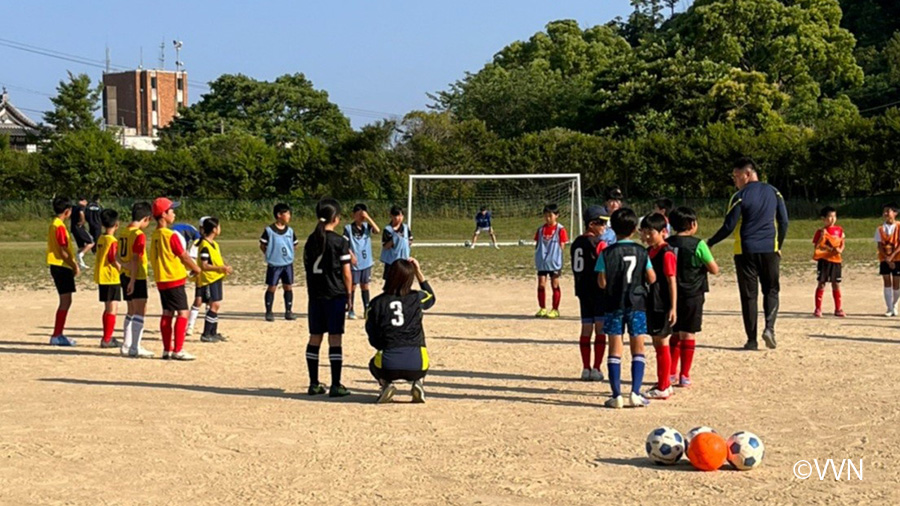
(514, 199)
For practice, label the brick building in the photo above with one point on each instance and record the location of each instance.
(143, 101)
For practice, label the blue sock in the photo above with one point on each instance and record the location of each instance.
(614, 364)
(637, 372)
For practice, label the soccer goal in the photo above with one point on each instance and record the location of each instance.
(441, 208)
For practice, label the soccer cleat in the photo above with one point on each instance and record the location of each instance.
(636, 400)
(189, 331)
(61, 341)
(125, 351)
(553, 314)
(387, 393)
(585, 375)
(221, 338)
(657, 394)
(496, 246)
(615, 402)
(685, 382)
(769, 337)
(141, 353)
(418, 392)
(673, 379)
(351, 315)
(166, 355)
(208, 339)
(840, 313)
(541, 314)
(112, 343)
(751, 345)
(889, 313)
(183, 356)
(596, 375)
(289, 315)
(817, 313)
(270, 317)
(316, 389)
(338, 391)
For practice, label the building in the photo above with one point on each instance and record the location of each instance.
(140, 102)
(22, 131)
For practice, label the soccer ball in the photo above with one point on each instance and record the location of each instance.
(665, 446)
(708, 451)
(745, 451)
(522, 242)
(693, 433)
(468, 244)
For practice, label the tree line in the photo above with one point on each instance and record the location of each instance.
(658, 103)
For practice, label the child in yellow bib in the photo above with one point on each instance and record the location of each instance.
(133, 257)
(63, 269)
(213, 272)
(106, 275)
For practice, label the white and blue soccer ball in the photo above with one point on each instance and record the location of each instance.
(665, 446)
(694, 432)
(745, 450)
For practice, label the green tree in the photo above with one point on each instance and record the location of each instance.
(84, 161)
(74, 105)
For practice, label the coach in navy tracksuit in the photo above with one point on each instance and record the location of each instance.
(758, 218)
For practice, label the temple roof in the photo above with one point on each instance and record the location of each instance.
(12, 120)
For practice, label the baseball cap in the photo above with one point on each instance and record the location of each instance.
(162, 204)
(596, 213)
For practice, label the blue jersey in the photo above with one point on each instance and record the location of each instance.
(189, 233)
(279, 245)
(483, 220)
(400, 240)
(360, 244)
(548, 256)
(758, 219)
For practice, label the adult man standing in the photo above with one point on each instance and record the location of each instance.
(92, 216)
(758, 218)
(83, 239)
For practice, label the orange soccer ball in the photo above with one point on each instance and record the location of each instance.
(707, 451)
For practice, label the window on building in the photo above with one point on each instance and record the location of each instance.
(180, 84)
(153, 82)
(154, 105)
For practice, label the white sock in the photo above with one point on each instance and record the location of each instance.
(128, 334)
(137, 331)
(81, 258)
(193, 318)
(889, 298)
(896, 298)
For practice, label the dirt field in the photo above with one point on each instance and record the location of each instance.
(506, 421)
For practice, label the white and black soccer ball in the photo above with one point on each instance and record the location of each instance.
(665, 446)
(694, 432)
(745, 450)
(468, 244)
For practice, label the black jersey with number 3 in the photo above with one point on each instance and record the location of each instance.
(584, 259)
(325, 272)
(626, 282)
(396, 322)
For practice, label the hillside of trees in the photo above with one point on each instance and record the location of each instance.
(659, 103)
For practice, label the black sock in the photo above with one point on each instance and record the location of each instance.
(312, 362)
(336, 357)
(212, 321)
(270, 299)
(352, 298)
(288, 301)
(365, 297)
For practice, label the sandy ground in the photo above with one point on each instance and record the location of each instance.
(506, 421)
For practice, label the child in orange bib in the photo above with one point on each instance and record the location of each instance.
(829, 244)
(887, 237)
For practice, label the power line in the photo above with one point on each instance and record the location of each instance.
(880, 107)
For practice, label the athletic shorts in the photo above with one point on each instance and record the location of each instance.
(82, 237)
(622, 320)
(140, 288)
(362, 277)
(591, 310)
(200, 292)
(884, 269)
(658, 324)
(828, 272)
(552, 274)
(213, 292)
(110, 293)
(689, 314)
(174, 299)
(63, 278)
(283, 274)
(487, 230)
(326, 316)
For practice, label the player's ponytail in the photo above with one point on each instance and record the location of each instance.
(327, 211)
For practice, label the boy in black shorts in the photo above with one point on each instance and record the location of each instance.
(133, 279)
(63, 269)
(694, 261)
(585, 251)
(83, 239)
(661, 300)
(107, 275)
(278, 244)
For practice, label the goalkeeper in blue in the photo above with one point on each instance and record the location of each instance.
(483, 224)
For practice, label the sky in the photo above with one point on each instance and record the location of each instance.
(374, 58)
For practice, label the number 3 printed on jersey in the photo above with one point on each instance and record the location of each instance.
(398, 319)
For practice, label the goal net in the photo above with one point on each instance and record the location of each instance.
(441, 209)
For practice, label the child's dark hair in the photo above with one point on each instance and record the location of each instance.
(890, 205)
(326, 211)
(210, 223)
(682, 219)
(826, 211)
(551, 208)
(665, 204)
(140, 210)
(655, 221)
(624, 222)
(483, 208)
(281, 208)
(109, 218)
(400, 278)
(60, 204)
(396, 210)
(360, 207)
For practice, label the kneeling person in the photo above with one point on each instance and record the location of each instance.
(394, 326)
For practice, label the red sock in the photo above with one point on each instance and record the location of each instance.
(584, 342)
(599, 350)
(675, 354)
(109, 326)
(542, 297)
(60, 322)
(687, 356)
(820, 293)
(663, 359)
(180, 332)
(557, 296)
(837, 299)
(165, 328)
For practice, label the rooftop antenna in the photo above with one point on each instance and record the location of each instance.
(178, 63)
(141, 65)
(107, 58)
(162, 55)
